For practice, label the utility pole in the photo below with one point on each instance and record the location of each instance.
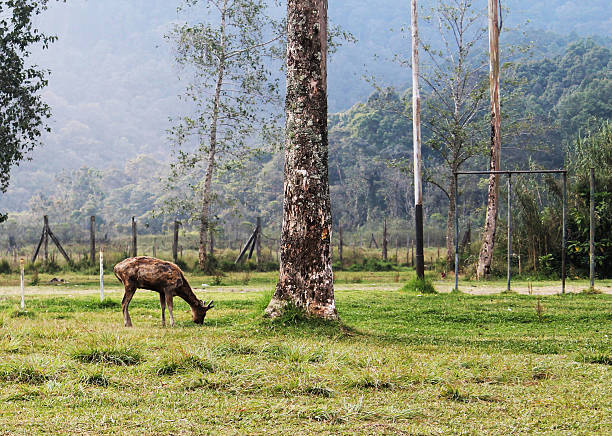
(592, 227)
(416, 143)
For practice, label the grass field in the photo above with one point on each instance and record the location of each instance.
(397, 363)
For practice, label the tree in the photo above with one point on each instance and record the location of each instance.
(306, 278)
(488, 235)
(457, 97)
(232, 94)
(453, 101)
(23, 113)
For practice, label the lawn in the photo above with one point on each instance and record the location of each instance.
(397, 363)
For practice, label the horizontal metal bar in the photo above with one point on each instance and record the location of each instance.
(512, 172)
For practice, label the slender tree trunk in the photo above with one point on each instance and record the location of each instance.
(206, 197)
(306, 277)
(488, 236)
(416, 142)
(450, 224)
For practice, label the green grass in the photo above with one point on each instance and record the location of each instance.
(396, 362)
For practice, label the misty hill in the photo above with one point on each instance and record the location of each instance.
(114, 84)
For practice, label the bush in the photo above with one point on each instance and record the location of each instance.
(182, 264)
(422, 286)
(50, 267)
(5, 267)
(373, 264)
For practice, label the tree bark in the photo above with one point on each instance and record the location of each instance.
(488, 236)
(306, 278)
(206, 195)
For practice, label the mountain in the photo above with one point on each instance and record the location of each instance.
(114, 84)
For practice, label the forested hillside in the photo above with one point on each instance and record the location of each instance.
(112, 102)
(567, 93)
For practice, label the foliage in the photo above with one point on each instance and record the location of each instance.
(5, 267)
(24, 114)
(232, 94)
(594, 150)
(420, 285)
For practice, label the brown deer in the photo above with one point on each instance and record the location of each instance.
(160, 276)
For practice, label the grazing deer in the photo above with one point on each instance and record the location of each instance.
(160, 276)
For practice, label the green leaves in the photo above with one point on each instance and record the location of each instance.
(22, 113)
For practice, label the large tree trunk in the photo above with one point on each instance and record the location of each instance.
(206, 194)
(488, 237)
(306, 278)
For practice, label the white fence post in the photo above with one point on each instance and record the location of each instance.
(21, 264)
(101, 274)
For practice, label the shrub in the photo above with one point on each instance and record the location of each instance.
(50, 267)
(423, 286)
(182, 265)
(5, 267)
(35, 279)
(373, 264)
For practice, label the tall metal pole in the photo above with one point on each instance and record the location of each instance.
(509, 226)
(416, 142)
(456, 234)
(563, 270)
(592, 229)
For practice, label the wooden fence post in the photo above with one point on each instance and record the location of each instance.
(134, 238)
(46, 240)
(340, 246)
(175, 242)
(384, 241)
(92, 240)
(258, 242)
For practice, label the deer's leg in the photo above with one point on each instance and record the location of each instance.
(169, 304)
(130, 290)
(162, 302)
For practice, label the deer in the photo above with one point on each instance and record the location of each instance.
(164, 277)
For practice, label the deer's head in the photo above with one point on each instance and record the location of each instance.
(199, 312)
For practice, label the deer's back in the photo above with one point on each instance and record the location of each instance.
(149, 273)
